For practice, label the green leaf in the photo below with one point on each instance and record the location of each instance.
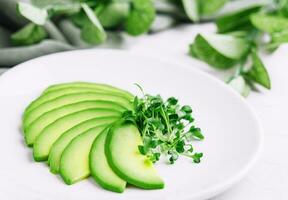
(229, 46)
(191, 8)
(174, 156)
(140, 18)
(196, 133)
(209, 7)
(186, 109)
(32, 13)
(240, 34)
(52, 3)
(68, 9)
(142, 149)
(180, 146)
(80, 19)
(58, 7)
(239, 20)
(269, 23)
(283, 7)
(113, 13)
(258, 72)
(280, 37)
(239, 85)
(92, 31)
(277, 39)
(192, 51)
(172, 101)
(155, 157)
(197, 157)
(28, 35)
(220, 51)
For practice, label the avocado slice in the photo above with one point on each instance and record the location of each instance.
(50, 94)
(121, 150)
(73, 98)
(61, 143)
(51, 133)
(74, 163)
(34, 129)
(100, 169)
(96, 86)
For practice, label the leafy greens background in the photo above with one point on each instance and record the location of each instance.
(48, 26)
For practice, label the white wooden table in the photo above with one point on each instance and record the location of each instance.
(269, 178)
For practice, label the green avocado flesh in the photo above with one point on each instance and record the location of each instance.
(70, 99)
(61, 143)
(100, 169)
(124, 158)
(95, 86)
(78, 127)
(35, 128)
(51, 133)
(74, 163)
(69, 90)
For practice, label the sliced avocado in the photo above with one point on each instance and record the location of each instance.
(100, 169)
(51, 133)
(34, 129)
(72, 98)
(121, 150)
(74, 163)
(61, 143)
(69, 90)
(105, 87)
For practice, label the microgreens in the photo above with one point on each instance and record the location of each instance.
(166, 128)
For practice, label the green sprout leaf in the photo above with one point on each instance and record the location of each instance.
(283, 7)
(277, 39)
(196, 133)
(80, 19)
(239, 84)
(269, 23)
(52, 3)
(209, 7)
(192, 51)
(195, 9)
(113, 14)
(68, 9)
(238, 20)
(29, 34)
(92, 31)
(191, 8)
(258, 72)
(197, 157)
(32, 13)
(140, 18)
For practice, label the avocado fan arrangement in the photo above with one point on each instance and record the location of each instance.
(82, 129)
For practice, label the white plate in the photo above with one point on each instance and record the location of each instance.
(233, 134)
